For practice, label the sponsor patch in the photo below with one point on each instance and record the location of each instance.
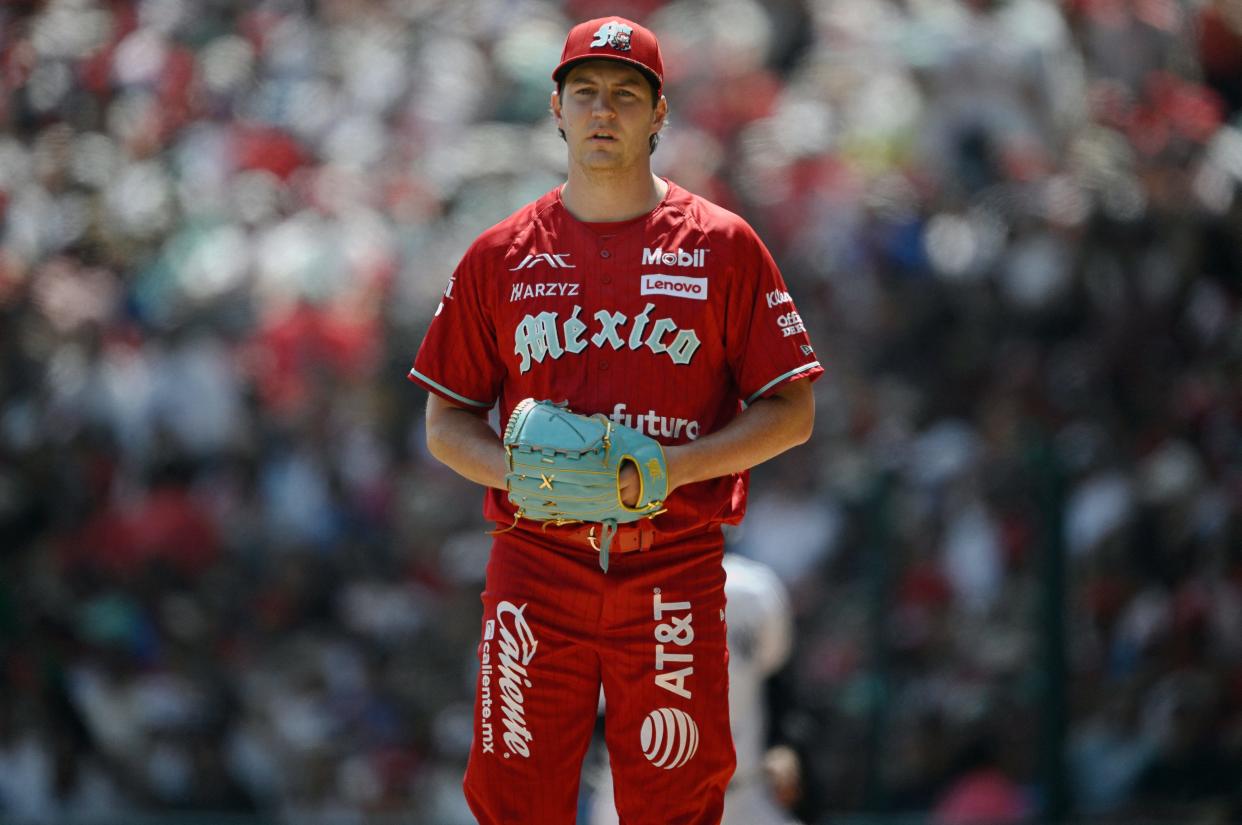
(674, 257)
(521, 292)
(669, 738)
(672, 637)
(777, 297)
(508, 675)
(448, 294)
(679, 286)
(790, 324)
(655, 425)
(556, 260)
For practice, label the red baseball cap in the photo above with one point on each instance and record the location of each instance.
(613, 38)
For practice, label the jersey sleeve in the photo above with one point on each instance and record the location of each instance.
(767, 342)
(459, 359)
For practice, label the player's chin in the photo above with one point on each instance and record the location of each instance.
(602, 159)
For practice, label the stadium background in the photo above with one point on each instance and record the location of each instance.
(232, 581)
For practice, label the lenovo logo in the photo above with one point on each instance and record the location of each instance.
(679, 286)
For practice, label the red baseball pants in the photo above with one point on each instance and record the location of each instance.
(652, 631)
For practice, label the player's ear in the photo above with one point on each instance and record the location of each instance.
(659, 116)
(554, 105)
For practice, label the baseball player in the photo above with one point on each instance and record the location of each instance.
(619, 295)
(760, 635)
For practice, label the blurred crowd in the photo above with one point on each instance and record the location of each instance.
(233, 579)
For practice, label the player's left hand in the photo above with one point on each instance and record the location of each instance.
(565, 467)
(629, 485)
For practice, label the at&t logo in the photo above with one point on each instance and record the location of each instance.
(670, 738)
(674, 663)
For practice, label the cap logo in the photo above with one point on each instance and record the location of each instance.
(614, 34)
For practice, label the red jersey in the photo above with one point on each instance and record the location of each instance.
(669, 323)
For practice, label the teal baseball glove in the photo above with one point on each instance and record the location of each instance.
(565, 468)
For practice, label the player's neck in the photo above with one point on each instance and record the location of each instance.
(597, 198)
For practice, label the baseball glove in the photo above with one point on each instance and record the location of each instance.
(565, 468)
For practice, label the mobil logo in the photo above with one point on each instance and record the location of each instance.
(674, 257)
(679, 286)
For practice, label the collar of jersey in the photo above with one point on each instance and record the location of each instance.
(612, 228)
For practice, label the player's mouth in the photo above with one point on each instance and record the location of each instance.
(602, 136)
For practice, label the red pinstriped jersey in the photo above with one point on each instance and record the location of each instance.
(669, 323)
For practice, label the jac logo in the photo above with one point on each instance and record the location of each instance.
(675, 257)
(556, 260)
(777, 297)
(679, 286)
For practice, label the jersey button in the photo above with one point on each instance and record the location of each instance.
(604, 253)
(606, 279)
(603, 365)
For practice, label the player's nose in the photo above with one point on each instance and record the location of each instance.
(602, 106)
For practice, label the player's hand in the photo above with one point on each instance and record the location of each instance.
(629, 484)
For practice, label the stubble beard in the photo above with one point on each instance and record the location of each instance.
(606, 164)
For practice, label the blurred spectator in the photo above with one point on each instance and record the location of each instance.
(982, 793)
(1108, 754)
